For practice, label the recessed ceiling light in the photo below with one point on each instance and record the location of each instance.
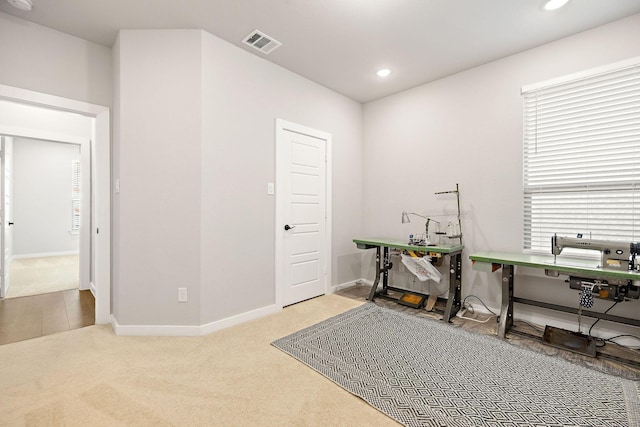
(21, 4)
(384, 72)
(555, 4)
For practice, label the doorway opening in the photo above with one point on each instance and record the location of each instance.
(43, 197)
(59, 119)
(45, 214)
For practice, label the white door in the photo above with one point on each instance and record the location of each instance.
(303, 230)
(6, 234)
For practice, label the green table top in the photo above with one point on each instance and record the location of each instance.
(561, 264)
(373, 242)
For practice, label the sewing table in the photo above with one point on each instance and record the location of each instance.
(383, 265)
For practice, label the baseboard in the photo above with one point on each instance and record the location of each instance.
(44, 254)
(238, 319)
(92, 288)
(190, 331)
(479, 308)
(154, 330)
(349, 284)
(541, 320)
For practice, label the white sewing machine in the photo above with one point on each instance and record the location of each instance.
(614, 255)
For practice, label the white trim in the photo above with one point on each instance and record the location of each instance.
(346, 285)
(582, 74)
(101, 160)
(238, 319)
(281, 126)
(541, 317)
(92, 288)
(17, 132)
(101, 189)
(329, 210)
(154, 330)
(29, 97)
(44, 254)
(191, 331)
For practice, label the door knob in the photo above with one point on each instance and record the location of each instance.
(10, 223)
(289, 227)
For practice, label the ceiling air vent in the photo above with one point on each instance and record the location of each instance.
(261, 41)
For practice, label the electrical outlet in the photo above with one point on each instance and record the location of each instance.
(182, 294)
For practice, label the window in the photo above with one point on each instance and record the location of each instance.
(581, 157)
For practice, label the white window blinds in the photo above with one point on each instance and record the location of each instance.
(581, 158)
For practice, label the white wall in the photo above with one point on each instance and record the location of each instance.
(42, 198)
(194, 151)
(157, 211)
(40, 59)
(467, 129)
(243, 95)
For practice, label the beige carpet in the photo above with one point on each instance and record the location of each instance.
(33, 276)
(233, 377)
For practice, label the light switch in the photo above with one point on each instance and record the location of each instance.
(271, 189)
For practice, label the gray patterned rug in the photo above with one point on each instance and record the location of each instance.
(423, 372)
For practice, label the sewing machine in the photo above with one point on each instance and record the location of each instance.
(614, 255)
(617, 256)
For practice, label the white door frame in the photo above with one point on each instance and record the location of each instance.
(6, 217)
(281, 127)
(100, 181)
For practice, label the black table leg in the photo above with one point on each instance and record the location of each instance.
(455, 287)
(386, 266)
(372, 294)
(506, 310)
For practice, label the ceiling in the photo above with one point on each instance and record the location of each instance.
(342, 43)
